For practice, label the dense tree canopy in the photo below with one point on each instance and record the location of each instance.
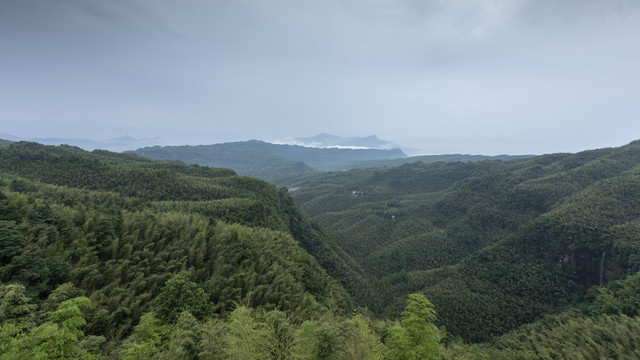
(106, 255)
(493, 244)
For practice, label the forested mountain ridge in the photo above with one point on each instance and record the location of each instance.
(493, 244)
(5, 142)
(106, 255)
(607, 326)
(427, 159)
(214, 192)
(265, 160)
(121, 227)
(279, 163)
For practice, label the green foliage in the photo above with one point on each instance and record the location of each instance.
(245, 337)
(178, 295)
(183, 340)
(146, 340)
(248, 334)
(30, 268)
(364, 343)
(11, 241)
(280, 335)
(4, 142)
(59, 337)
(14, 305)
(191, 243)
(619, 297)
(9, 211)
(62, 293)
(324, 340)
(416, 337)
(191, 262)
(217, 194)
(494, 244)
(428, 159)
(213, 342)
(569, 335)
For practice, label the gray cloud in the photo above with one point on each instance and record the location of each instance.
(446, 76)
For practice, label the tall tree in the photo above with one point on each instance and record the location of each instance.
(181, 294)
(416, 337)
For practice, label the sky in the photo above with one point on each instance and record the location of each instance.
(449, 76)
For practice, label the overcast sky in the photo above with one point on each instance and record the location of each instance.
(464, 76)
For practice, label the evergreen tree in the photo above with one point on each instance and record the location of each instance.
(416, 337)
(181, 294)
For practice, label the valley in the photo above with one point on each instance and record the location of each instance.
(509, 256)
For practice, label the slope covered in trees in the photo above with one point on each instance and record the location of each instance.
(107, 255)
(218, 194)
(427, 159)
(129, 234)
(493, 244)
(607, 326)
(5, 142)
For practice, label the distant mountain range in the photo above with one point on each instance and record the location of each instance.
(269, 161)
(124, 143)
(301, 156)
(118, 144)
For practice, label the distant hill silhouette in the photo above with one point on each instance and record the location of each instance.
(265, 160)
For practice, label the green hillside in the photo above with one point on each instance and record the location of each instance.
(120, 227)
(427, 159)
(493, 244)
(217, 193)
(5, 142)
(265, 160)
(607, 328)
(114, 256)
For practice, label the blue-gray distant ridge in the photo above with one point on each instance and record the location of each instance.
(268, 161)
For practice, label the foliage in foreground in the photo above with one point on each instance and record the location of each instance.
(568, 336)
(57, 330)
(246, 333)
